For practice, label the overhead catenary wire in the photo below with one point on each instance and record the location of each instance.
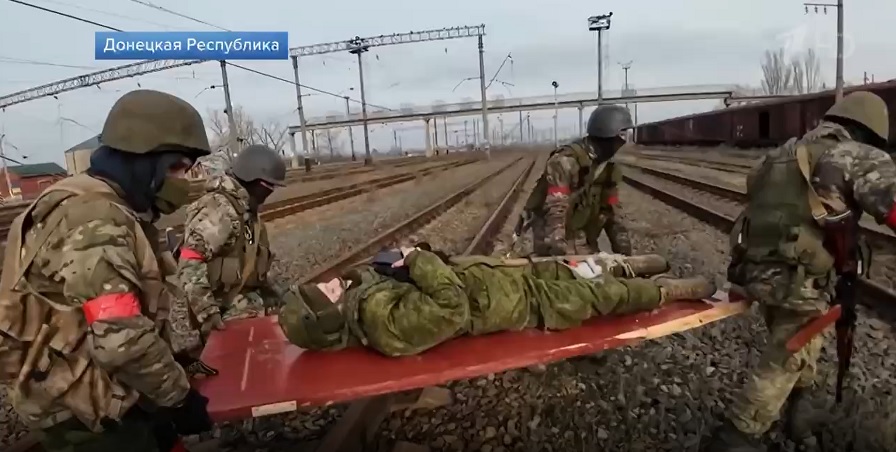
(265, 74)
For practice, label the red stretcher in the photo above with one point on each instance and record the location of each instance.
(262, 374)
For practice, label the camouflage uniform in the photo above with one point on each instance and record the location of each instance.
(577, 194)
(578, 191)
(225, 255)
(229, 240)
(83, 302)
(792, 276)
(472, 296)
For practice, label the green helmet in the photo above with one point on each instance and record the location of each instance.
(608, 121)
(144, 121)
(311, 321)
(260, 162)
(865, 108)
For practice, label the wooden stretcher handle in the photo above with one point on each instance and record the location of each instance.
(813, 328)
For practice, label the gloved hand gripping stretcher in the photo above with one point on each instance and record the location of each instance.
(262, 373)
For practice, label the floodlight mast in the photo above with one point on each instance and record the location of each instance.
(600, 23)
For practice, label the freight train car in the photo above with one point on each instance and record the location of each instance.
(761, 124)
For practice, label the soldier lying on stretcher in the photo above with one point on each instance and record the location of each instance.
(420, 298)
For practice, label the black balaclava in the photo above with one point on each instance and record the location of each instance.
(258, 193)
(605, 148)
(140, 176)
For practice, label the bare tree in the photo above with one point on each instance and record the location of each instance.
(798, 85)
(328, 146)
(220, 127)
(777, 73)
(272, 135)
(812, 71)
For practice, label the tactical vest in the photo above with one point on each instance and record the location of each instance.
(245, 264)
(43, 343)
(781, 223)
(586, 200)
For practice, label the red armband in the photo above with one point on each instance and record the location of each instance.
(891, 217)
(189, 254)
(613, 200)
(558, 190)
(111, 306)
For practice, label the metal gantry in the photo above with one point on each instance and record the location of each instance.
(357, 46)
(93, 78)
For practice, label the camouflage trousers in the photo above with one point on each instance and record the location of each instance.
(617, 234)
(137, 432)
(758, 404)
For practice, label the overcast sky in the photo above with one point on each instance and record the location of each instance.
(671, 43)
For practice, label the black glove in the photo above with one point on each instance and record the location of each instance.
(191, 416)
(193, 366)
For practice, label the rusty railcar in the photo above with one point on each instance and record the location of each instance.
(760, 124)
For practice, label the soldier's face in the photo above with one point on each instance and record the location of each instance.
(180, 168)
(333, 289)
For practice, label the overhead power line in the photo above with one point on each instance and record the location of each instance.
(163, 9)
(126, 71)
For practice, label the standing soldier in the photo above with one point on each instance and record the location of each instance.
(83, 306)
(579, 189)
(225, 256)
(800, 224)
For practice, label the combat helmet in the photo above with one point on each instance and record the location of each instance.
(258, 162)
(608, 121)
(144, 121)
(865, 108)
(311, 321)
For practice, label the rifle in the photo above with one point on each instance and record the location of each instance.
(845, 326)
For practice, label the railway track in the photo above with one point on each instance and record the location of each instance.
(481, 244)
(739, 166)
(362, 417)
(8, 212)
(291, 206)
(872, 294)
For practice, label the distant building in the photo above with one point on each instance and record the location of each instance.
(77, 159)
(28, 181)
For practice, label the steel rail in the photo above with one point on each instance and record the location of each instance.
(871, 294)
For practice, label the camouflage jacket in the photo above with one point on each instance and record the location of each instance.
(581, 191)
(83, 309)
(476, 295)
(854, 176)
(225, 248)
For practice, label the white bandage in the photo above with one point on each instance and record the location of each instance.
(588, 269)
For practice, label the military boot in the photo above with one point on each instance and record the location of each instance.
(801, 417)
(727, 438)
(645, 265)
(675, 289)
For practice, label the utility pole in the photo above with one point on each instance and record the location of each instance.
(521, 124)
(466, 137)
(435, 134)
(330, 144)
(484, 101)
(445, 126)
(5, 168)
(501, 125)
(302, 125)
(351, 137)
(838, 93)
(358, 49)
(556, 110)
(234, 137)
(600, 23)
(626, 67)
(395, 139)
